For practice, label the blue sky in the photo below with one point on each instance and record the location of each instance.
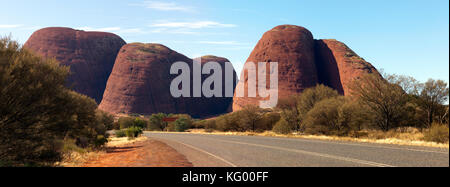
(409, 37)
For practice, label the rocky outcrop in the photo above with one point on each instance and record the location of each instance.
(304, 62)
(338, 66)
(90, 56)
(140, 83)
(293, 48)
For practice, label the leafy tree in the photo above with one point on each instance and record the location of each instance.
(433, 95)
(387, 101)
(37, 112)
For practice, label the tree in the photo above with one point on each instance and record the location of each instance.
(156, 122)
(250, 117)
(433, 95)
(37, 112)
(386, 100)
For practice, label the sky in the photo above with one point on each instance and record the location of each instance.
(407, 37)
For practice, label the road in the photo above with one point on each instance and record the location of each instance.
(256, 151)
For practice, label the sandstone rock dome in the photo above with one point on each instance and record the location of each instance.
(140, 83)
(304, 62)
(293, 48)
(338, 65)
(90, 55)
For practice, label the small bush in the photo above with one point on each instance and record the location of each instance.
(181, 125)
(100, 141)
(170, 127)
(437, 133)
(133, 132)
(125, 122)
(282, 127)
(120, 133)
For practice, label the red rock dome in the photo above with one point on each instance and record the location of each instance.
(90, 55)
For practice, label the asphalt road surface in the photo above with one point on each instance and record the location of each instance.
(255, 151)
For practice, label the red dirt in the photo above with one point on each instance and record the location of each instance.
(149, 153)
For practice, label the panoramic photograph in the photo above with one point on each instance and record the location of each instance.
(212, 84)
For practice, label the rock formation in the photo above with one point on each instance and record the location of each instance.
(338, 66)
(304, 62)
(140, 83)
(293, 48)
(90, 55)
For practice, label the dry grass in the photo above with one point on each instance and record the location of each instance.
(114, 142)
(402, 136)
(75, 159)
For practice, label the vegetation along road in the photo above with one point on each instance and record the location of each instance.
(251, 151)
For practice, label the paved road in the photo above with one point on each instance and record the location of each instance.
(254, 151)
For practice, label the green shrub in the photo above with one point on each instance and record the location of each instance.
(282, 127)
(311, 96)
(125, 122)
(335, 116)
(100, 141)
(170, 127)
(120, 133)
(133, 132)
(181, 125)
(269, 120)
(437, 133)
(70, 146)
(156, 122)
(228, 122)
(139, 122)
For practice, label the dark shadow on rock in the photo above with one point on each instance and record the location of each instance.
(327, 67)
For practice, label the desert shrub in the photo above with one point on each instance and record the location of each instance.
(308, 99)
(181, 125)
(170, 127)
(37, 110)
(116, 126)
(210, 124)
(100, 141)
(120, 133)
(199, 124)
(156, 122)
(106, 119)
(140, 122)
(70, 146)
(269, 120)
(335, 116)
(437, 133)
(125, 122)
(282, 127)
(250, 118)
(133, 132)
(228, 122)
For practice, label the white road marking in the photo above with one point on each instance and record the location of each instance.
(331, 142)
(315, 154)
(360, 145)
(208, 153)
